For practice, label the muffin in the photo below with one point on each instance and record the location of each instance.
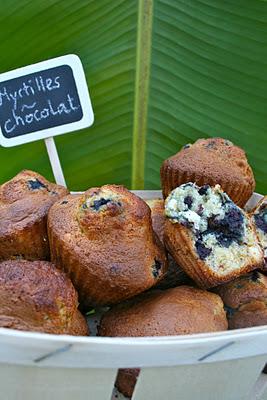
(210, 161)
(24, 204)
(245, 300)
(105, 242)
(259, 218)
(36, 296)
(211, 238)
(178, 311)
(174, 275)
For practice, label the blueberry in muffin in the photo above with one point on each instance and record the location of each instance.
(209, 236)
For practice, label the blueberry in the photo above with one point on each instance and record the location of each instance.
(200, 209)
(186, 146)
(234, 219)
(211, 144)
(229, 310)
(187, 224)
(188, 201)
(254, 276)
(202, 250)
(223, 240)
(214, 222)
(156, 268)
(260, 220)
(231, 225)
(99, 203)
(36, 184)
(239, 285)
(64, 202)
(203, 190)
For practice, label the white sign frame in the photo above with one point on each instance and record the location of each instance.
(87, 120)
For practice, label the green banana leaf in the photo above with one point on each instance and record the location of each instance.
(161, 73)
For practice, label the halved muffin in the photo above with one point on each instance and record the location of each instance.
(178, 311)
(105, 242)
(36, 296)
(24, 204)
(210, 237)
(210, 161)
(245, 300)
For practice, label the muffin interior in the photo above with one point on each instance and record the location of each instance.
(101, 201)
(222, 233)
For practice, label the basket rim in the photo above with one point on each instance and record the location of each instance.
(200, 338)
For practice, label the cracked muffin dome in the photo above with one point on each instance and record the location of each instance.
(245, 300)
(174, 275)
(105, 242)
(178, 311)
(24, 204)
(211, 238)
(259, 218)
(36, 296)
(210, 161)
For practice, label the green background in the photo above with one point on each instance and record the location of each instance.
(206, 76)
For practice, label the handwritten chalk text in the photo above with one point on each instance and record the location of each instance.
(52, 109)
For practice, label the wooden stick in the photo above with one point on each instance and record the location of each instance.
(54, 161)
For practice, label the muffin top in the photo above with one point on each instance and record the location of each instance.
(108, 231)
(25, 199)
(212, 161)
(247, 289)
(36, 296)
(177, 311)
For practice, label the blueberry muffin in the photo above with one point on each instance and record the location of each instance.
(178, 311)
(24, 204)
(105, 242)
(211, 238)
(210, 161)
(259, 218)
(36, 296)
(174, 275)
(245, 300)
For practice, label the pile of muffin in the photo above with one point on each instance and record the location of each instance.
(192, 262)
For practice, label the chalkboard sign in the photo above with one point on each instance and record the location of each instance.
(43, 100)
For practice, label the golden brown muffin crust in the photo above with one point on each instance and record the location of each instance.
(158, 218)
(24, 204)
(245, 300)
(210, 161)
(104, 240)
(244, 289)
(36, 296)
(177, 311)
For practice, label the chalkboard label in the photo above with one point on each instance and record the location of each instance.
(43, 100)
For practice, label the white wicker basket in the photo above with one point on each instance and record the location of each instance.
(215, 366)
